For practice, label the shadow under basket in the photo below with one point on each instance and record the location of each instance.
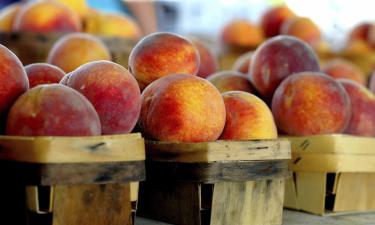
(221, 183)
(70, 180)
(332, 174)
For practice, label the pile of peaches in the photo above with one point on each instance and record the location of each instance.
(173, 90)
(44, 16)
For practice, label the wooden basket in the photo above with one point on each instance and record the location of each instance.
(223, 182)
(332, 174)
(70, 180)
(34, 47)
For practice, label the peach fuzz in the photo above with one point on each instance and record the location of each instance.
(162, 54)
(73, 50)
(113, 92)
(52, 110)
(310, 103)
(13, 81)
(247, 117)
(182, 108)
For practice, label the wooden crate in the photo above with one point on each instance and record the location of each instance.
(70, 180)
(223, 182)
(34, 47)
(332, 174)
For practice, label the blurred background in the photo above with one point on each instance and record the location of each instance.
(334, 17)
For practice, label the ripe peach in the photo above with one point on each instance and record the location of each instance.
(7, 16)
(273, 18)
(242, 63)
(13, 81)
(162, 54)
(113, 91)
(309, 103)
(43, 73)
(113, 25)
(73, 50)
(208, 60)
(278, 58)
(360, 32)
(248, 117)
(195, 109)
(52, 110)
(340, 68)
(303, 28)
(242, 33)
(362, 121)
(46, 16)
(231, 81)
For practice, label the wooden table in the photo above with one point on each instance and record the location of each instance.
(300, 218)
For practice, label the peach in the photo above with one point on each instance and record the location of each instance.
(13, 81)
(73, 50)
(7, 16)
(341, 68)
(231, 81)
(248, 117)
(242, 63)
(303, 28)
(194, 107)
(43, 73)
(309, 103)
(112, 25)
(52, 110)
(273, 18)
(362, 121)
(162, 54)
(360, 32)
(208, 60)
(242, 33)
(113, 92)
(278, 58)
(46, 16)
(64, 80)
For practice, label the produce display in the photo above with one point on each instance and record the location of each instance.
(284, 71)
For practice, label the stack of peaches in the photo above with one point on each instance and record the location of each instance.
(66, 16)
(307, 95)
(174, 91)
(100, 97)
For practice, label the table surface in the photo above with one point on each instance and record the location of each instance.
(299, 218)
